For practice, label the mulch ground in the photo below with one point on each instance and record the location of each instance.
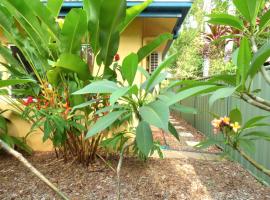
(154, 180)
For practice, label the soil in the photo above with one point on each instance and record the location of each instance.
(153, 180)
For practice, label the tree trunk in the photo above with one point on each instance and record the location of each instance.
(19, 157)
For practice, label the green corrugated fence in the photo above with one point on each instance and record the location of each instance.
(202, 121)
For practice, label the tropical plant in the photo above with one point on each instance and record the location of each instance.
(250, 62)
(50, 55)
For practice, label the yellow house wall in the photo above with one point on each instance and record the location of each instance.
(139, 33)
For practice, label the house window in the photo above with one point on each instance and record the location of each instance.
(153, 62)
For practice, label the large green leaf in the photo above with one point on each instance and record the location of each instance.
(129, 68)
(191, 92)
(184, 109)
(144, 138)
(259, 59)
(112, 15)
(258, 135)
(83, 105)
(103, 86)
(104, 122)
(160, 77)
(54, 6)
(173, 131)
(150, 82)
(122, 92)
(5, 83)
(253, 122)
(265, 21)
(227, 20)
(221, 94)
(243, 61)
(75, 64)
(92, 8)
(236, 116)
(133, 12)
(248, 8)
(156, 114)
(149, 48)
(73, 30)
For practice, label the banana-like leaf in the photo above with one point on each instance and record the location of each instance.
(144, 138)
(75, 26)
(184, 109)
(221, 94)
(102, 87)
(156, 114)
(227, 20)
(112, 14)
(265, 21)
(236, 116)
(252, 122)
(75, 64)
(54, 6)
(149, 48)
(92, 8)
(133, 12)
(122, 92)
(173, 131)
(6, 83)
(129, 67)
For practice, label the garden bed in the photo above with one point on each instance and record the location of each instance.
(155, 179)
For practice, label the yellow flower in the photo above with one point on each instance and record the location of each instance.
(226, 120)
(235, 126)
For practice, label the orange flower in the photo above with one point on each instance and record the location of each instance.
(225, 120)
(216, 123)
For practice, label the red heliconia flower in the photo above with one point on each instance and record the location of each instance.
(116, 57)
(28, 101)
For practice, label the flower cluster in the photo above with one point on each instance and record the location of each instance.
(221, 123)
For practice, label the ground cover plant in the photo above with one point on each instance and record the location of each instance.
(251, 22)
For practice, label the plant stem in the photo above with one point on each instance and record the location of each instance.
(120, 162)
(254, 102)
(19, 156)
(254, 162)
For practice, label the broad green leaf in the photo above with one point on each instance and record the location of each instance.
(92, 8)
(5, 83)
(103, 86)
(173, 131)
(83, 105)
(103, 123)
(112, 15)
(225, 78)
(144, 72)
(166, 63)
(144, 138)
(121, 92)
(252, 122)
(129, 68)
(109, 109)
(249, 9)
(149, 48)
(191, 92)
(236, 116)
(156, 114)
(74, 63)
(160, 77)
(227, 20)
(7, 55)
(265, 21)
(55, 6)
(166, 96)
(53, 76)
(184, 109)
(259, 59)
(258, 135)
(221, 94)
(74, 28)
(243, 61)
(133, 12)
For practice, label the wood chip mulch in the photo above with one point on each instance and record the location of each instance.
(168, 179)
